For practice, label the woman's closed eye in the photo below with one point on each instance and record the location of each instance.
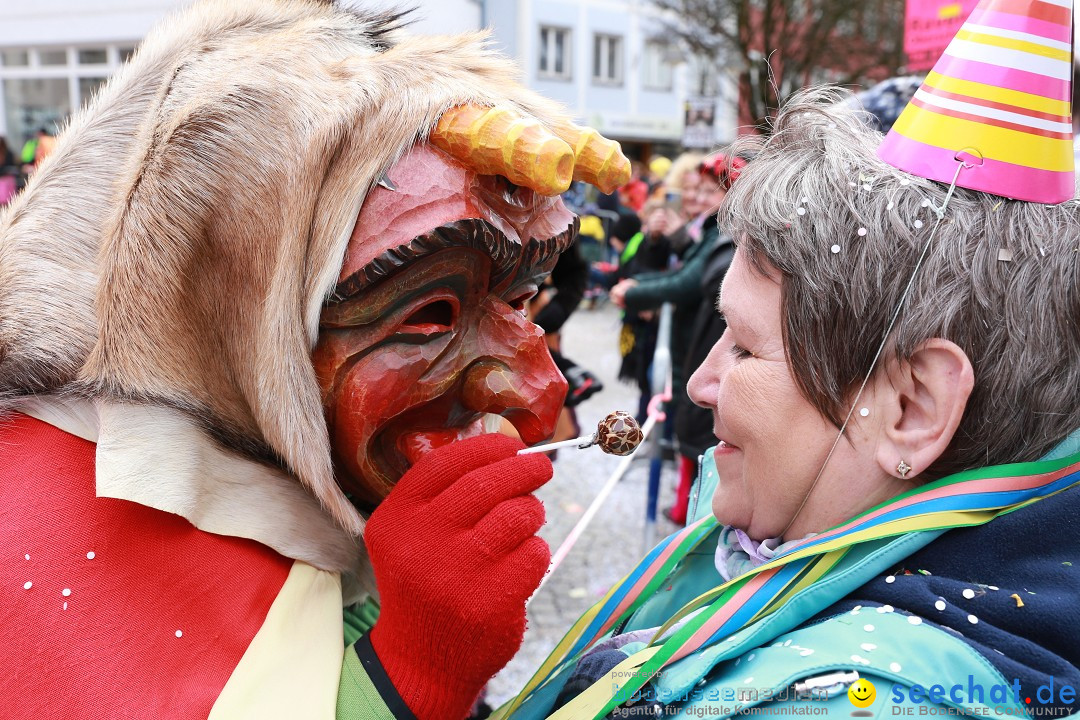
(740, 352)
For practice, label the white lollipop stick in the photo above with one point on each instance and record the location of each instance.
(581, 443)
(616, 434)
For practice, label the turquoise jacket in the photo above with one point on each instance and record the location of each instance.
(800, 660)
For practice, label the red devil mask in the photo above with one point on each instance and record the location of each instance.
(425, 333)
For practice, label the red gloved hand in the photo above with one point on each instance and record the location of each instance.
(456, 556)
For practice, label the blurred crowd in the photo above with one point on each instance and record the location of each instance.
(655, 241)
(16, 168)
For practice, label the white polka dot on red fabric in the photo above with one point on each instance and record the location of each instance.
(179, 633)
(90, 555)
(66, 592)
(27, 585)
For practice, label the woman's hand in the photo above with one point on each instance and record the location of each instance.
(456, 556)
(662, 221)
(618, 293)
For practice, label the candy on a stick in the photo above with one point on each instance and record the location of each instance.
(617, 434)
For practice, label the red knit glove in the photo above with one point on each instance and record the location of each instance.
(456, 556)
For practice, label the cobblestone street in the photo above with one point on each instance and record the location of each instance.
(614, 540)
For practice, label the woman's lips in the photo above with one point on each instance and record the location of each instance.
(724, 447)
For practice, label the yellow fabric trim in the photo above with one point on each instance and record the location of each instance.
(1011, 44)
(292, 667)
(995, 143)
(982, 91)
(815, 573)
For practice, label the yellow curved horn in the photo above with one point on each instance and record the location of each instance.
(598, 161)
(498, 141)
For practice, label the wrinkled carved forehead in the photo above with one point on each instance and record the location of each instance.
(437, 202)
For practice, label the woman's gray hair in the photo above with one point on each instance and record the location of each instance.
(1000, 279)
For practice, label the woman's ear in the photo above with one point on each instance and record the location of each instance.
(923, 399)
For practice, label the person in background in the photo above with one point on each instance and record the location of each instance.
(559, 297)
(647, 251)
(679, 195)
(634, 193)
(9, 172)
(37, 149)
(7, 157)
(645, 293)
(29, 148)
(659, 166)
(45, 145)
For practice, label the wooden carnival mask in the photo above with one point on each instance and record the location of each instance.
(425, 333)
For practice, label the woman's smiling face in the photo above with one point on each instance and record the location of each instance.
(773, 440)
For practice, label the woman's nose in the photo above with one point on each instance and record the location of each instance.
(513, 374)
(704, 383)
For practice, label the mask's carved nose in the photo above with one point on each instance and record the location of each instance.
(515, 376)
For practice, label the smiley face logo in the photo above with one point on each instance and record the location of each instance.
(862, 693)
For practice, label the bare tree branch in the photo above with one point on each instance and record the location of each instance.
(779, 46)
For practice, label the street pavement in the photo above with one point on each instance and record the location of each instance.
(614, 541)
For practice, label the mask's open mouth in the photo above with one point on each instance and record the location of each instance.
(395, 451)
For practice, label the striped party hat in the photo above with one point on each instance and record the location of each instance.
(1000, 97)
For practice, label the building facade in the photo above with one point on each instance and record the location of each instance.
(607, 62)
(604, 60)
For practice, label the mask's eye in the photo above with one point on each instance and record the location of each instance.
(437, 316)
(521, 300)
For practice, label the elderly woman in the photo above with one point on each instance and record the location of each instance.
(902, 519)
(981, 369)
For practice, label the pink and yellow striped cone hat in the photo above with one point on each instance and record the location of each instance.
(1001, 92)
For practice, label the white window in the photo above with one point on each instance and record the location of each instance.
(15, 57)
(656, 71)
(53, 56)
(555, 53)
(607, 59)
(41, 86)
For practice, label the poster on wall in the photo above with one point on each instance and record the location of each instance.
(929, 25)
(699, 126)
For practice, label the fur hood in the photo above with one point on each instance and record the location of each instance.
(175, 250)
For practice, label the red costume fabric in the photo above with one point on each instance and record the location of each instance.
(76, 641)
